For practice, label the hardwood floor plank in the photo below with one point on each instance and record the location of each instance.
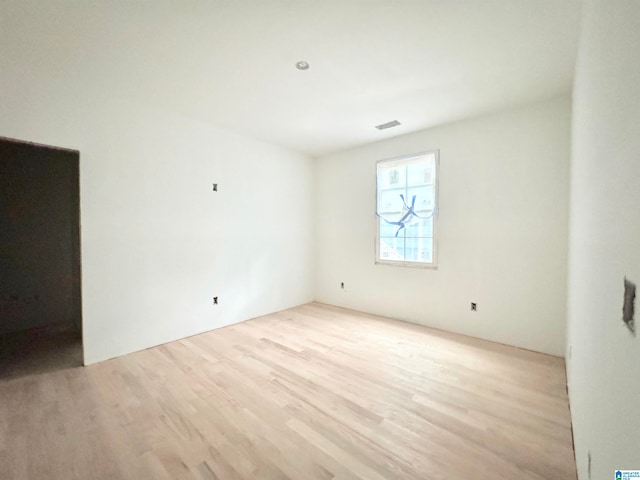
(314, 392)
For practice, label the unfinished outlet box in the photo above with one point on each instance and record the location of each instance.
(215, 300)
(474, 307)
(628, 307)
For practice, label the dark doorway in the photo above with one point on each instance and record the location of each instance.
(40, 297)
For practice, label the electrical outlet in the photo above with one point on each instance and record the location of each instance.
(215, 187)
(342, 285)
(215, 300)
(474, 307)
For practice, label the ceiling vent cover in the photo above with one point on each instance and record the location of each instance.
(391, 124)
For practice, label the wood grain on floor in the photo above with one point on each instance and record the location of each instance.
(314, 392)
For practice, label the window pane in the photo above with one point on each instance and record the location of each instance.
(416, 173)
(424, 202)
(421, 228)
(390, 204)
(419, 249)
(421, 172)
(392, 248)
(392, 175)
(388, 230)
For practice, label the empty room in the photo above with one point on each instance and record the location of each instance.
(287, 239)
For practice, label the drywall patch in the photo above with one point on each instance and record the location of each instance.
(628, 308)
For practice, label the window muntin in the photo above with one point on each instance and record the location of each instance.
(406, 207)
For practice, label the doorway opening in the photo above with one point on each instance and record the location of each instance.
(40, 292)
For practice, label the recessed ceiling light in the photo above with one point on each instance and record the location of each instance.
(302, 65)
(384, 126)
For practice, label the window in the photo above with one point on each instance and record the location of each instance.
(406, 203)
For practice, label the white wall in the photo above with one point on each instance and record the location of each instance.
(502, 229)
(157, 244)
(604, 368)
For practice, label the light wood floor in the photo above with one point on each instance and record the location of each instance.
(314, 392)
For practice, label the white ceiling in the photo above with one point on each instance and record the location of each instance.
(231, 63)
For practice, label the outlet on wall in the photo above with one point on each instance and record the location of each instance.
(474, 307)
(215, 300)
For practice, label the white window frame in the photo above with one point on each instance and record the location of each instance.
(433, 265)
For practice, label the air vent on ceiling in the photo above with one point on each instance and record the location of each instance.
(391, 124)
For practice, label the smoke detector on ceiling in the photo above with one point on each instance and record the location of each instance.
(391, 124)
